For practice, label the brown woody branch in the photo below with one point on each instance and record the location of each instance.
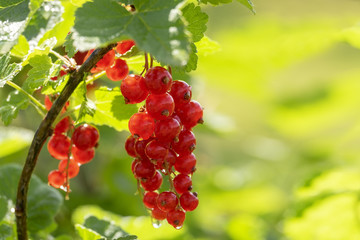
(43, 132)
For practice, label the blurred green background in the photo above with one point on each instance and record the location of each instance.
(278, 155)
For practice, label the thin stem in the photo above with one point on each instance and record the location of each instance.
(151, 61)
(42, 133)
(67, 62)
(38, 104)
(95, 77)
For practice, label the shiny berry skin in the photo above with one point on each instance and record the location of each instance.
(130, 146)
(133, 164)
(154, 150)
(158, 214)
(140, 146)
(190, 114)
(167, 201)
(182, 183)
(153, 183)
(59, 146)
(176, 218)
(48, 103)
(63, 125)
(133, 89)
(149, 199)
(82, 156)
(185, 164)
(119, 71)
(158, 80)
(189, 201)
(171, 157)
(104, 63)
(181, 92)
(160, 106)
(73, 168)
(142, 125)
(144, 169)
(85, 136)
(56, 178)
(186, 142)
(124, 46)
(167, 130)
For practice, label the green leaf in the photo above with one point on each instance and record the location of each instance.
(13, 21)
(43, 49)
(111, 109)
(192, 63)
(156, 27)
(6, 230)
(69, 46)
(107, 229)
(44, 19)
(86, 233)
(196, 21)
(3, 207)
(52, 87)
(8, 3)
(21, 48)
(207, 46)
(7, 71)
(39, 74)
(248, 4)
(215, 2)
(11, 105)
(13, 139)
(43, 201)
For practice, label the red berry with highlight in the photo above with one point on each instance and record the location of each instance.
(149, 199)
(158, 214)
(119, 71)
(190, 114)
(181, 92)
(158, 80)
(82, 156)
(142, 125)
(144, 169)
(56, 178)
(160, 106)
(155, 150)
(189, 201)
(63, 125)
(85, 136)
(182, 183)
(167, 130)
(130, 146)
(186, 142)
(153, 183)
(124, 46)
(133, 89)
(72, 169)
(185, 164)
(59, 146)
(176, 218)
(167, 201)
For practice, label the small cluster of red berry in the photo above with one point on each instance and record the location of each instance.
(162, 142)
(116, 68)
(72, 152)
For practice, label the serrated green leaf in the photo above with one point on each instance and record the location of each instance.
(44, 19)
(111, 109)
(13, 20)
(13, 139)
(10, 107)
(21, 48)
(52, 87)
(192, 63)
(69, 46)
(43, 49)
(196, 21)
(6, 230)
(107, 229)
(41, 210)
(214, 2)
(156, 27)
(8, 3)
(248, 4)
(207, 46)
(86, 233)
(7, 71)
(39, 74)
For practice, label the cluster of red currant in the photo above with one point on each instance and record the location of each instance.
(72, 152)
(162, 142)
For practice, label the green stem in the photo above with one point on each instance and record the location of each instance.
(94, 77)
(67, 62)
(34, 100)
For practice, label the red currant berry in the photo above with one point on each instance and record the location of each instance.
(104, 63)
(167, 130)
(149, 199)
(119, 71)
(158, 214)
(82, 156)
(59, 146)
(144, 169)
(181, 92)
(130, 146)
(85, 136)
(79, 57)
(48, 103)
(153, 183)
(133, 89)
(72, 169)
(176, 218)
(155, 150)
(186, 142)
(133, 164)
(167, 201)
(182, 183)
(189, 201)
(142, 125)
(158, 80)
(190, 114)
(185, 164)
(63, 125)
(160, 106)
(171, 158)
(140, 146)
(56, 178)
(124, 46)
